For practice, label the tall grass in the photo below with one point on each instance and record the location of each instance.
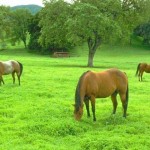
(39, 113)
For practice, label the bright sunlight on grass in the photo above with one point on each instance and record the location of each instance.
(38, 115)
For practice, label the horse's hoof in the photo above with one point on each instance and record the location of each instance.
(124, 116)
(94, 119)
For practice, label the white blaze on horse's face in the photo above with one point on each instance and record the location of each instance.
(8, 67)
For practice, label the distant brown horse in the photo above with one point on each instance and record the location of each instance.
(93, 85)
(141, 68)
(10, 67)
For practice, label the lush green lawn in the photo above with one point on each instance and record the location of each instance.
(38, 115)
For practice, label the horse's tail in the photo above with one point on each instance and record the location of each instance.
(127, 91)
(137, 69)
(21, 67)
(127, 94)
(78, 101)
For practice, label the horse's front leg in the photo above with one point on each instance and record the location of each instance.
(142, 76)
(139, 76)
(86, 101)
(93, 106)
(1, 80)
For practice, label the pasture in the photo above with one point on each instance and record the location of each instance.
(38, 115)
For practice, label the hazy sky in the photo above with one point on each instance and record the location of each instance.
(21, 2)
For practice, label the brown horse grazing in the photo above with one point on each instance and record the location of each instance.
(141, 68)
(10, 67)
(93, 85)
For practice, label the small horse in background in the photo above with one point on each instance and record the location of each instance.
(141, 68)
(92, 85)
(10, 67)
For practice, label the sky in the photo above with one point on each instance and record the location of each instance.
(21, 2)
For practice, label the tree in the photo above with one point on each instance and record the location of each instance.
(53, 30)
(34, 31)
(134, 12)
(94, 23)
(91, 21)
(143, 31)
(5, 23)
(20, 19)
(98, 21)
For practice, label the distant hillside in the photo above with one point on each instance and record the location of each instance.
(33, 8)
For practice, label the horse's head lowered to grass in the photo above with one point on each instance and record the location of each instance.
(92, 85)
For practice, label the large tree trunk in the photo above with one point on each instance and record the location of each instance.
(24, 41)
(25, 44)
(90, 59)
(93, 44)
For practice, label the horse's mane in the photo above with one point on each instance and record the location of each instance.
(77, 93)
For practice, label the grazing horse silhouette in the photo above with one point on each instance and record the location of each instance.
(92, 85)
(10, 67)
(141, 68)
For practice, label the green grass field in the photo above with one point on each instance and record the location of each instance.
(38, 115)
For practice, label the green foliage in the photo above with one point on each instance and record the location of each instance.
(53, 17)
(89, 19)
(98, 22)
(143, 31)
(20, 20)
(34, 30)
(5, 25)
(94, 22)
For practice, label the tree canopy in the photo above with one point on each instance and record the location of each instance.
(143, 31)
(34, 31)
(14, 24)
(61, 25)
(91, 21)
(5, 23)
(53, 30)
(20, 19)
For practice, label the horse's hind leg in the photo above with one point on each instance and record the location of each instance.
(114, 101)
(18, 78)
(93, 107)
(86, 101)
(124, 104)
(13, 76)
